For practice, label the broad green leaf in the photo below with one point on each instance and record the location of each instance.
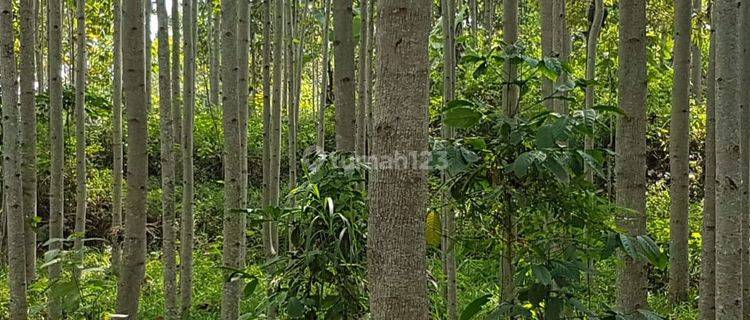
(474, 307)
(295, 308)
(542, 274)
(461, 117)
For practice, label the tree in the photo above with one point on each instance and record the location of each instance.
(57, 145)
(167, 149)
(630, 165)
(561, 49)
(397, 197)
(80, 115)
(28, 131)
(187, 219)
(343, 74)
(729, 171)
(547, 25)
(679, 155)
(214, 22)
(323, 78)
(176, 92)
(697, 54)
(707, 299)
(117, 169)
(448, 215)
(744, 102)
(134, 84)
(591, 46)
(12, 190)
(361, 141)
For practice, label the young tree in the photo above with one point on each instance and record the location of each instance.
(214, 34)
(343, 74)
(679, 156)
(167, 165)
(80, 115)
(176, 92)
(591, 47)
(707, 298)
(324, 77)
(397, 199)
(40, 43)
(729, 196)
(697, 54)
(12, 191)
(547, 25)
(187, 221)
(266, 112)
(134, 246)
(57, 145)
(28, 131)
(361, 141)
(630, 165)
(560, 48)
(117, 161)
(447, 243)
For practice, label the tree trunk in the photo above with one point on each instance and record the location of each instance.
(591, 47)
(134, 246)
(547, 24)
(324, 78)
(343, 74)
(28, 131)
(149, 64)
(697, 59)
(176, 91)
(166, 129)
(187, 219)
(243, 92)
(729, 171)
(397, 200)
(630, 165)
(12, 190)
(290, 70)
(744, 102)
(448, 215)
(40, 26)
(80, 114)
(117, 161)
(57, 145)
(266, 108)
(473, 16)
(214, 21)
(361, 142)
(561, 48)
(679, 152)
(707, 297)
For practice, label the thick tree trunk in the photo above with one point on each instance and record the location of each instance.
(166, 128)
(630, 165)
(398, 286)
(729, 171)
(448, 215)
(187, 219)
(679, 151)
(57, 145)
(12, 190)
(591, 47)
(744, 101)
(117, 161)
(324, 78)
(80, 114)
(28, 131)
(134, 246)
(343, 74)
(361, 142)
(707, 297)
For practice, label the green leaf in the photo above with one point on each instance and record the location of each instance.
(250, 288)
(474, 307)
(461, 117)
(545, 137)
(630, 246)
(542, 274)
(476, 142)
(459, 103)
(480, 70)
(607, 108)
(295, 308)
(554, 165)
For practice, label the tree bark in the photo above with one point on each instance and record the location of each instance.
(361, 142)
(592, 43)
(448, 215)
(324, 79)
(560, 48)
(343, 74)
(214, 21)
(266, 108)
(547, 24)
(134, 246)
(27, 69)
(744, 102)
(167, 149)
(40, 25)
(630, 165)
(679, 152)
(176, 91)
(117, 148)
(57, 145)
(397, 200)
(12, 190)
(80, 114)
(707, 297)
(697, 55)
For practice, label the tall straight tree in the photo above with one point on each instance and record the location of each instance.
(447, 243)
(679, 151)
(40, 44)
(214, 22)
(630, 165)
(696, 54)
(12, 191)
(176, 92)
(117, 137)
(561, 49)
(361, 142)
(28, 130)
(167, 149)
(187, 219)
(148, 49)
(397, 199)
(744, 101)
(57, 145)
(546, 22)
(243, 92)
(707, 298)
(134, 246)
(80, 115)
(266, 112)
(592, 43)
(343, 74)
(729, 171)
(324, 77)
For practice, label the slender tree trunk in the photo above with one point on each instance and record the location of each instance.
(176, 91)
(744, 102)
(561, 48)
(343, 74)
(188, 195)
(169, 243)
(12, 190)
(473, 16)
(243, 92)
(707, 297)
(696, 55)
(117, 156)
(448, 216)
(80, 114)
(547, 24)
(489, 18)
(370, 73)
(630, 165)
(40, 25)
(591, 47)
(28, 131)
(214, 21)
(324, 78)
(291, 93)
(398, 195)
(266, 112)
(679, 156)
(729, 196)
(57, 145)
(148, 49)
(134, 246)
(361, 142)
